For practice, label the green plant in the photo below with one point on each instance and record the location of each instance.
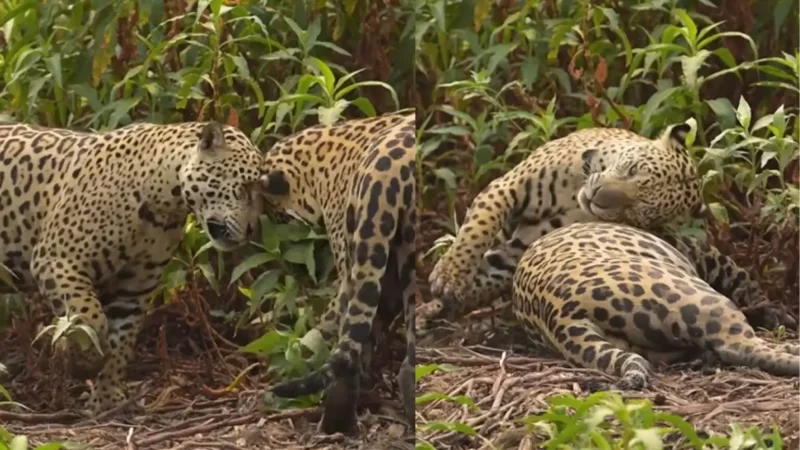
(605, 421)
(9, 441)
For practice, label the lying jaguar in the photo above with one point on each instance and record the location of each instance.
(617, 299)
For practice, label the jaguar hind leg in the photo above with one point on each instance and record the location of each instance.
(584, 345)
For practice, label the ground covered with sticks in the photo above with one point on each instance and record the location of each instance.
(506, 388)
(488, 363)
(188, 387)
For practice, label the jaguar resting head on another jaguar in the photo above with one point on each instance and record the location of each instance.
(597, 173)
(90, 220)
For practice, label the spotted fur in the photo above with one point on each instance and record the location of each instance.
(92, 219)
(357, 178)
(609, 174)
(618, 299)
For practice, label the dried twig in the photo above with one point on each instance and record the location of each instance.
(155, 438)
(56, 417)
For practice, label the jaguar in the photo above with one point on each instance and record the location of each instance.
(619, 299)
(90, 220)
(357, 179)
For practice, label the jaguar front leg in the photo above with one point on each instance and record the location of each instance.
(124, 301)
(498, 203)
(68, 288)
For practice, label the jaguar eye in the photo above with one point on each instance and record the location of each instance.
(633, 170)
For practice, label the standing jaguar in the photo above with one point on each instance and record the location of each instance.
(356, 178)
(617, 299)
(92, 219)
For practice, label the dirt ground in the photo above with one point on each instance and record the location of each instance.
(507, 387)
(178, 399)
(494, 367)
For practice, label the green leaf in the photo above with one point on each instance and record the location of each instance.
(329, 116)
(460, 399)
(651, 438)
(201, 6)
(691, 65)
(365, 106)
(85, 335)
(16, 11)
(251, 262)
(7, 276)
(763, 122)
(341, 81)
(57, 446)
(4, 392)
(216, 6)
(723, 108)
(743, 113)
(312, 33)
(454, 130)
(705, 42)
(313, 341)
(327, 74)
(297, 252)
(121, 109)
(269, 237)
(655, 101)
(241, 66)
(210, 276)
(690, 28)
(530, 71)
(296, 30)
(612, 16)
(422, 370)
(450, 426)
(53, 64)
(19, 443)
(448, 176)
(719, 212)
(267, 343)
(499, 54)
(779, 122)
(264, 284)
(389, 88)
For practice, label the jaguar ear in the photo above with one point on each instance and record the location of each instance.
(275, 183)
(675, 136)
(212, 138)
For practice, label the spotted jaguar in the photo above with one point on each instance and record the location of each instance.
(90, 220)
(357, 179)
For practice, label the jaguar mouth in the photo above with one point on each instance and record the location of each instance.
(603, 202)
(221, 235)
(589, 203)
